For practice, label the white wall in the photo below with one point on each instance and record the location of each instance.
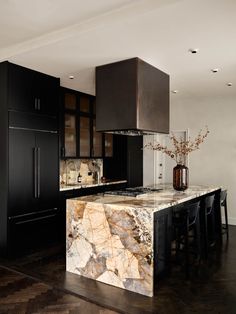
(215, 162)
(149, 164)
(153, 162)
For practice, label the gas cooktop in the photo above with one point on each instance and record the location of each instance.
(133, 191)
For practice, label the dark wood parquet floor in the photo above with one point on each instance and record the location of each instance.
(20, 294)
(211, 288)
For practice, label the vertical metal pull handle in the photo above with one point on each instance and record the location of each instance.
(63, 151)
(35, 173)
(38, 167)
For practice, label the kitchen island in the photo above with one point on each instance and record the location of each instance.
(115, 239)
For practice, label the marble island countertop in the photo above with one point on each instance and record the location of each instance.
(154, 200)
(111, 238)
(64, 187)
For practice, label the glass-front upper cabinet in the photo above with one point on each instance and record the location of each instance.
(97, 142)
(84, 104)
(108, 145)
(79, 136)
(70, 135)
(84, 137)
(70, 101)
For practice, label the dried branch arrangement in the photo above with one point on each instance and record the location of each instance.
(181, 148)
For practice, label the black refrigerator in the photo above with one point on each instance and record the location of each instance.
(29, 159)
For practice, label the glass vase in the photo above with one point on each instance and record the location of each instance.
(180, 177)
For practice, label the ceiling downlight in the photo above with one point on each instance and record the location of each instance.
(193, 50)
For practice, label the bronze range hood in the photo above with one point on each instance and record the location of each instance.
(132, 98)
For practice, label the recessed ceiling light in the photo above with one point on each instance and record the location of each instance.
(71, 77)
(175, 91)
(193, 50)
(229, 84)
(214, 70)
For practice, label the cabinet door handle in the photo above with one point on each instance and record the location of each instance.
(38, 171)
(34, 219)
(63, 152)
(35, 173)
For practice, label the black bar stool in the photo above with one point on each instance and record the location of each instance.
(209, 214)
(186, 225)
(223, 203)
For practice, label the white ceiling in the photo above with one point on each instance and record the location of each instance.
(64, 37)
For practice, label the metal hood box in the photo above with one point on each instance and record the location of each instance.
(132, 98)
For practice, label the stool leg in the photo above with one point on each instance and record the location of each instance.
(178, 240)
(186, 243)
(226, 220)
(198, 238)
(206, 235)
(213, 230)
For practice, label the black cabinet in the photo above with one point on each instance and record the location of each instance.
(31, 188)
(135, 160)
(29, 163)
(33, 231)
(46, 92)
(162, 241)
(31, 91)
(48, 154)
(79, 138)
(22, 193)
(21, 88)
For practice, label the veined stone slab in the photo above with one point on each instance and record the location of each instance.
(110, 238)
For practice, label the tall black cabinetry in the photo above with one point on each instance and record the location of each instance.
(31, 91)
(29, 159)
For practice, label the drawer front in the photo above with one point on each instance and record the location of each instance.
(22, 120)
(27, 232)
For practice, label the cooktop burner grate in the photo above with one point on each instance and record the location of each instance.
(133, 191)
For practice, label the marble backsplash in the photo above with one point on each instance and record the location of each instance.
(85, 171)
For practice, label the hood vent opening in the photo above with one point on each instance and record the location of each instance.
(131, 132)
(132, 98)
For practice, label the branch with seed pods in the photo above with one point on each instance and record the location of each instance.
(181, 148)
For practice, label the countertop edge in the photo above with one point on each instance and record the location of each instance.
(157, 207)
(86, 186)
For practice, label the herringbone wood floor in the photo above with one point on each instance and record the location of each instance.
(20, 294)
(211, 288)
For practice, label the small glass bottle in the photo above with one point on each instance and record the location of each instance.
(79, 179)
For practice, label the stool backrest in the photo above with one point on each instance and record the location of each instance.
(193, 212)
(223, 196)
(209, 203)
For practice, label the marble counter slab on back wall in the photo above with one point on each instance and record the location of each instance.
(70, 169)
(110, 238)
